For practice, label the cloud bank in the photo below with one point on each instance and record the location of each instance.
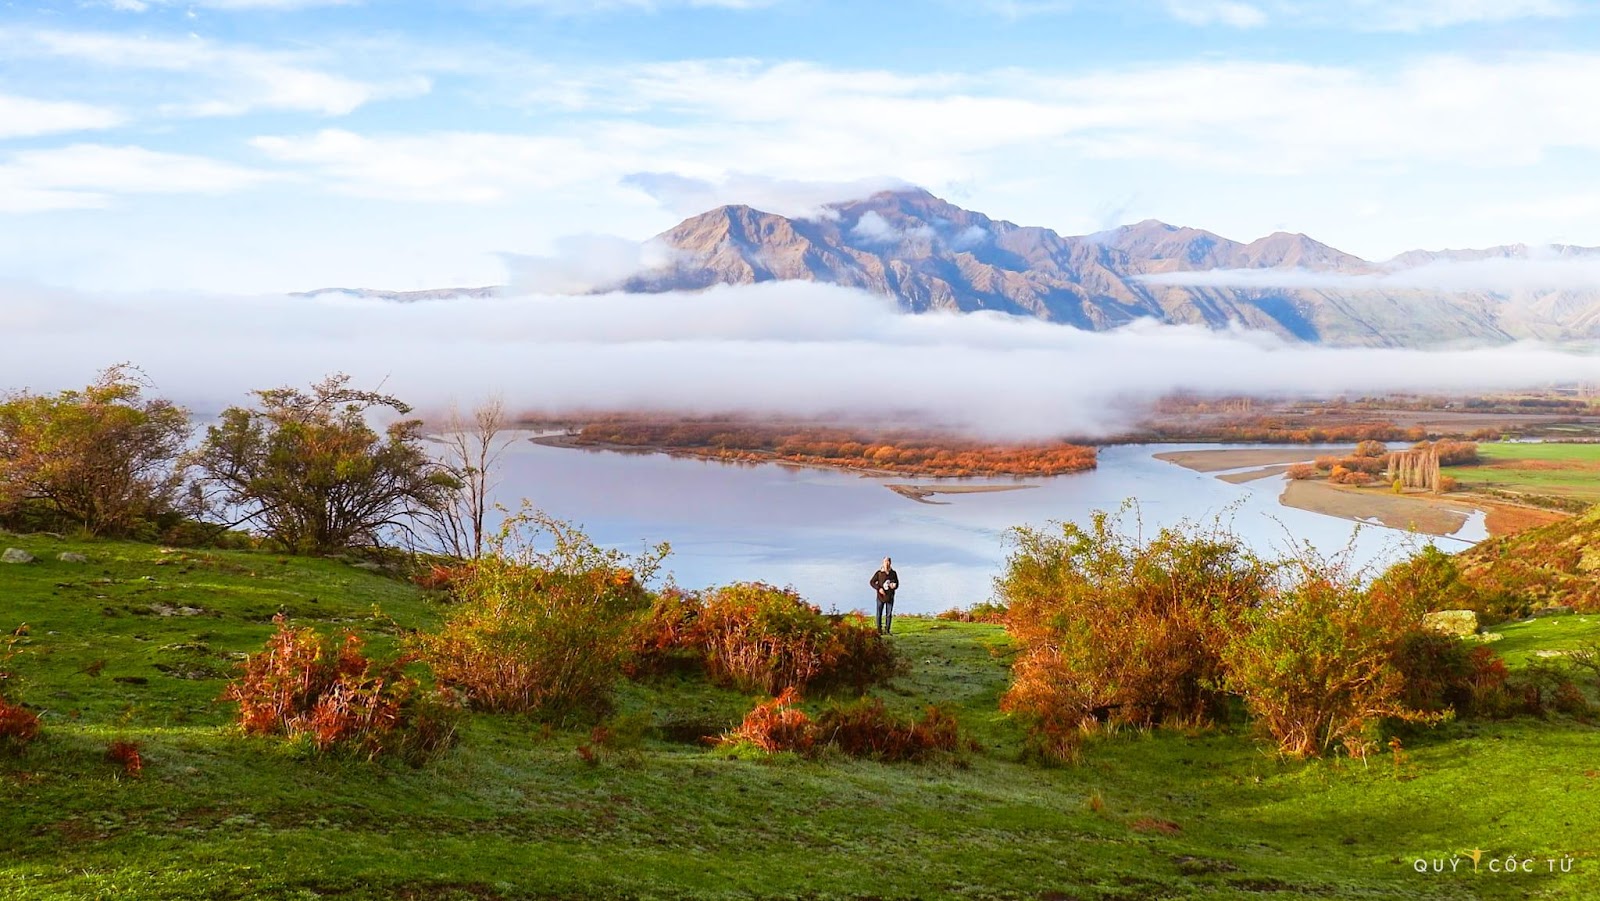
(792, 348)
(1541, 270)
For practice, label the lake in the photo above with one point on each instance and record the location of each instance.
(824, 531)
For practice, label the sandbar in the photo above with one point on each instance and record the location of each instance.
(922, 493)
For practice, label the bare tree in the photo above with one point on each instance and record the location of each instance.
(472, 446)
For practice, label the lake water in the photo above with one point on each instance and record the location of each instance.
(824, 532)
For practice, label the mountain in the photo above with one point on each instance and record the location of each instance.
(929, 254)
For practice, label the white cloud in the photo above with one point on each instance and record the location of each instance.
(686, 196)
(1217, 12)
(461, 167)
(584, 263)
(791, 347)
(1418, 15)
(23, 117)
(209, 78)
(86, 176)
(1366, 15)
(1508, 275)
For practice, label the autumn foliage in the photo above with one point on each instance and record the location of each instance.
(125, 754)
(760, 638)
(901, 451)
(1114, 628)
(861, 728)
(18, 724)
(329, 692)
(543, 622)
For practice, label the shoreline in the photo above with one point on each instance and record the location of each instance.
(568, 442)
(1424, 512)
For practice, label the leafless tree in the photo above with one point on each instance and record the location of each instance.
(471, 446)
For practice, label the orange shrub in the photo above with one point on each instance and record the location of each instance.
(18, 724)
(305, 684)
(756, 637)
(1116, 628)
(665, 637)
(125, 754)
(866, 728)
(776, 725)
(863, 728)
(1302, 471)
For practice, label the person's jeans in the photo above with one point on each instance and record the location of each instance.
(885, 616)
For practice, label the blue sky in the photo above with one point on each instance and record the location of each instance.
(272, 145)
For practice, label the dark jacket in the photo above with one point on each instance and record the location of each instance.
(885, 583)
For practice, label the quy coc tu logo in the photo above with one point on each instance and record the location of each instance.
(1484, 862)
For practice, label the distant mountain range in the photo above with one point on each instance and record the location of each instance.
(929, 254)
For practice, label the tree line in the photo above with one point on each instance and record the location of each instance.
(304, 468)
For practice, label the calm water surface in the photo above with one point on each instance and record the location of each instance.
(824, 532)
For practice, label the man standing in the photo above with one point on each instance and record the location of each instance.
(885, 581)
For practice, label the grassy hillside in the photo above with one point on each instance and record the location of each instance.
(514, 812)
(1554, 564)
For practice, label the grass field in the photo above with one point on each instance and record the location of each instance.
(1563, 471)
(513, 812)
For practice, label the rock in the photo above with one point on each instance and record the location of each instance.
(1553, 610)
(1452, 622)
(71, 557)
(368, 566)
(16, 555)
(1547, 652)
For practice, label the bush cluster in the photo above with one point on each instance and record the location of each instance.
(860, 728)
(327, 691)
(759, 638)
(1112, 628)
(1121, 630)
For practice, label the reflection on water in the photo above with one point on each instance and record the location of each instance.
(824, 532)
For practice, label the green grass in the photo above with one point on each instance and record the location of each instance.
(513, 812)
(1570, 471)
(1520, 641)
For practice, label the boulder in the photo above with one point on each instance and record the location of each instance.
(71, 557)
(369, 567)
(1553, 610)
(1452, 622)
(16, 555)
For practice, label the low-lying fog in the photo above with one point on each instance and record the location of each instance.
(792, 348)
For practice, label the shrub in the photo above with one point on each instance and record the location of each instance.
(666, 637)
(859, 657)
(328, 691)
(125, 754)
(1112, 628)
(759, 638)
(865, 728)
(1438, 671)
(1317, 664)
(1371, 448)
(1326, 463)
(543, 622)
(775, 725)
(1457, 453)
(18, 724)
(1302, 471)
(982, 612)
(1448, 483)
(861, 728)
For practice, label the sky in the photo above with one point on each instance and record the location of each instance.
(265, 146)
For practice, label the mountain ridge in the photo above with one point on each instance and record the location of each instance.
(931, 255)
